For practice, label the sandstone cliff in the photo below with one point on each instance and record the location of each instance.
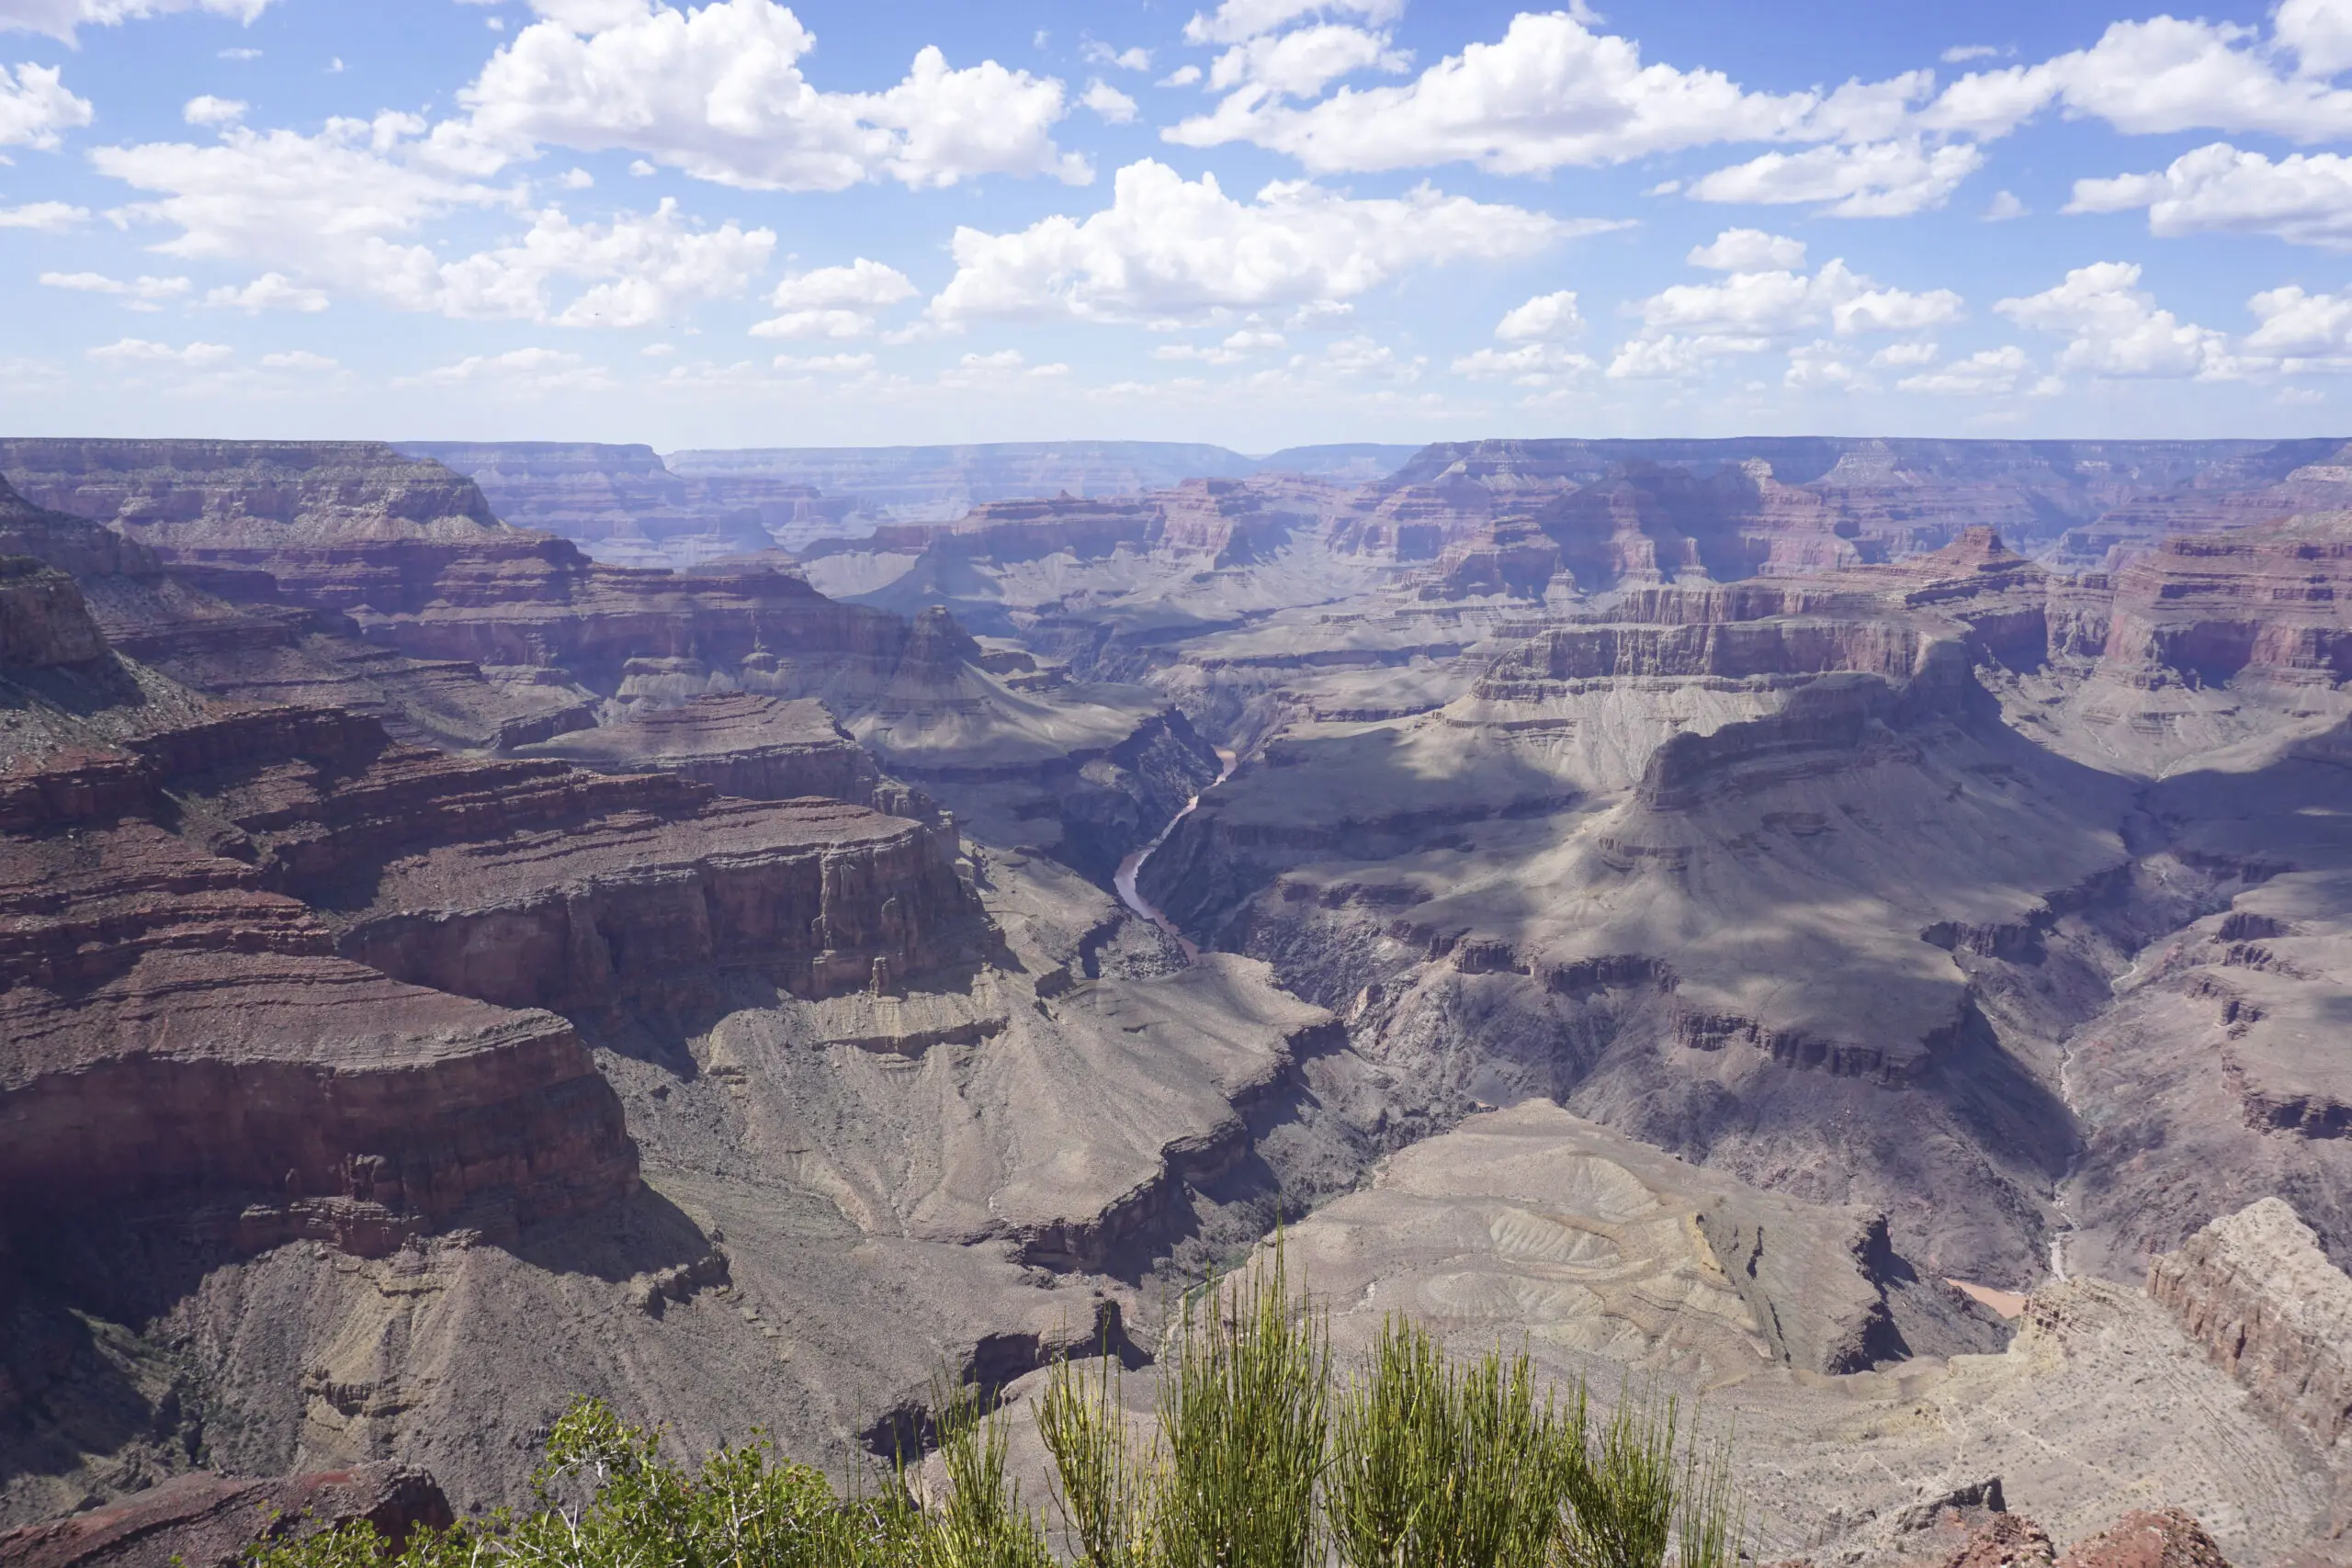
(2256, 1290)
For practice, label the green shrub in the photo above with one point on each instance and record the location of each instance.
(1444, 1464)
(1243, 1414)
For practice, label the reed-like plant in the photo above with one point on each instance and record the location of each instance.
(1243, 1420)
(1638, 1497)
(981, 1523)
(1104, 1488)
(1448, 1464)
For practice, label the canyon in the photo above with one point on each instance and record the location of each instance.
(1852, 931)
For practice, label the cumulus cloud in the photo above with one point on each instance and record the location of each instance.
(48, 217)
(1688, 325)
(2116, 331)
(1991, 373)
(1775, 304)
(1236, 20)
(1747, 250)
(719, 93)
(1878, 179)
(336, 211)
(1550, 93)
(300, 359)
(1169, 249)
(835, 301)
(2166, 74)
(209, 110)
(2305, 198)
(2302, 330)
(1823, 367)
(1136, 58)
(1301, 64)
(1113, 106)
(35, 107)
(1545, 317)
(58, 18)
(138, 293)
(138, 351)
(1538, 365)
(270, 291)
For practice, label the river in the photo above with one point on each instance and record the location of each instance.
(1124, 879)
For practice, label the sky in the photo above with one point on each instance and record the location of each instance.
(1259, 223)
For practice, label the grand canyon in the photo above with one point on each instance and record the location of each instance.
(1855, 932)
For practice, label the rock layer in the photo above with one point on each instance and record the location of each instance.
(2256, 1290)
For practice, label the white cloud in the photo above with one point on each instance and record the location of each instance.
(138, 351)
(523, 370)
(1779, 304)
(1542, 319)
(1669, 356)
(139, 293)
(2116, 332)
(1247, 343)
(2164, 75)
(1113, 106)
(48, 217)
(336, 211)
(1962, 53)
(240, 53)
(1747, 250)
(1823, 366)
(1182, 76)
(1136, 58)
(1362, 358)
(577, 179)
(2300, 330)
(58, 18)
(1878, 179)
(990, 372)
(1686, 327)
(1902, 355)
(1236, 20)
(298, 359)
(2004, 206)
(1301, 64)
(827, 364)
(270, 291)
(1550, 93)
(1532, 364)
(2319, 31)
(835, 301)
(35, 107)
(2305, 198)
(719, 93)
(1992, 373)
(1171, 249)
(209, 110)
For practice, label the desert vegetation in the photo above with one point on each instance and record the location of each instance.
(1262, 1455)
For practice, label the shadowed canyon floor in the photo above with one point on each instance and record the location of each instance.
(1683, 905)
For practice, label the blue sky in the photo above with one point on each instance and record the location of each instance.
(1258, 222)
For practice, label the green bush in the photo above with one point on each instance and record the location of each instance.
(1420, 1462)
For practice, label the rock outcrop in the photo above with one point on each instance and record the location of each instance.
(2256, 1290)
(204, 1520)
